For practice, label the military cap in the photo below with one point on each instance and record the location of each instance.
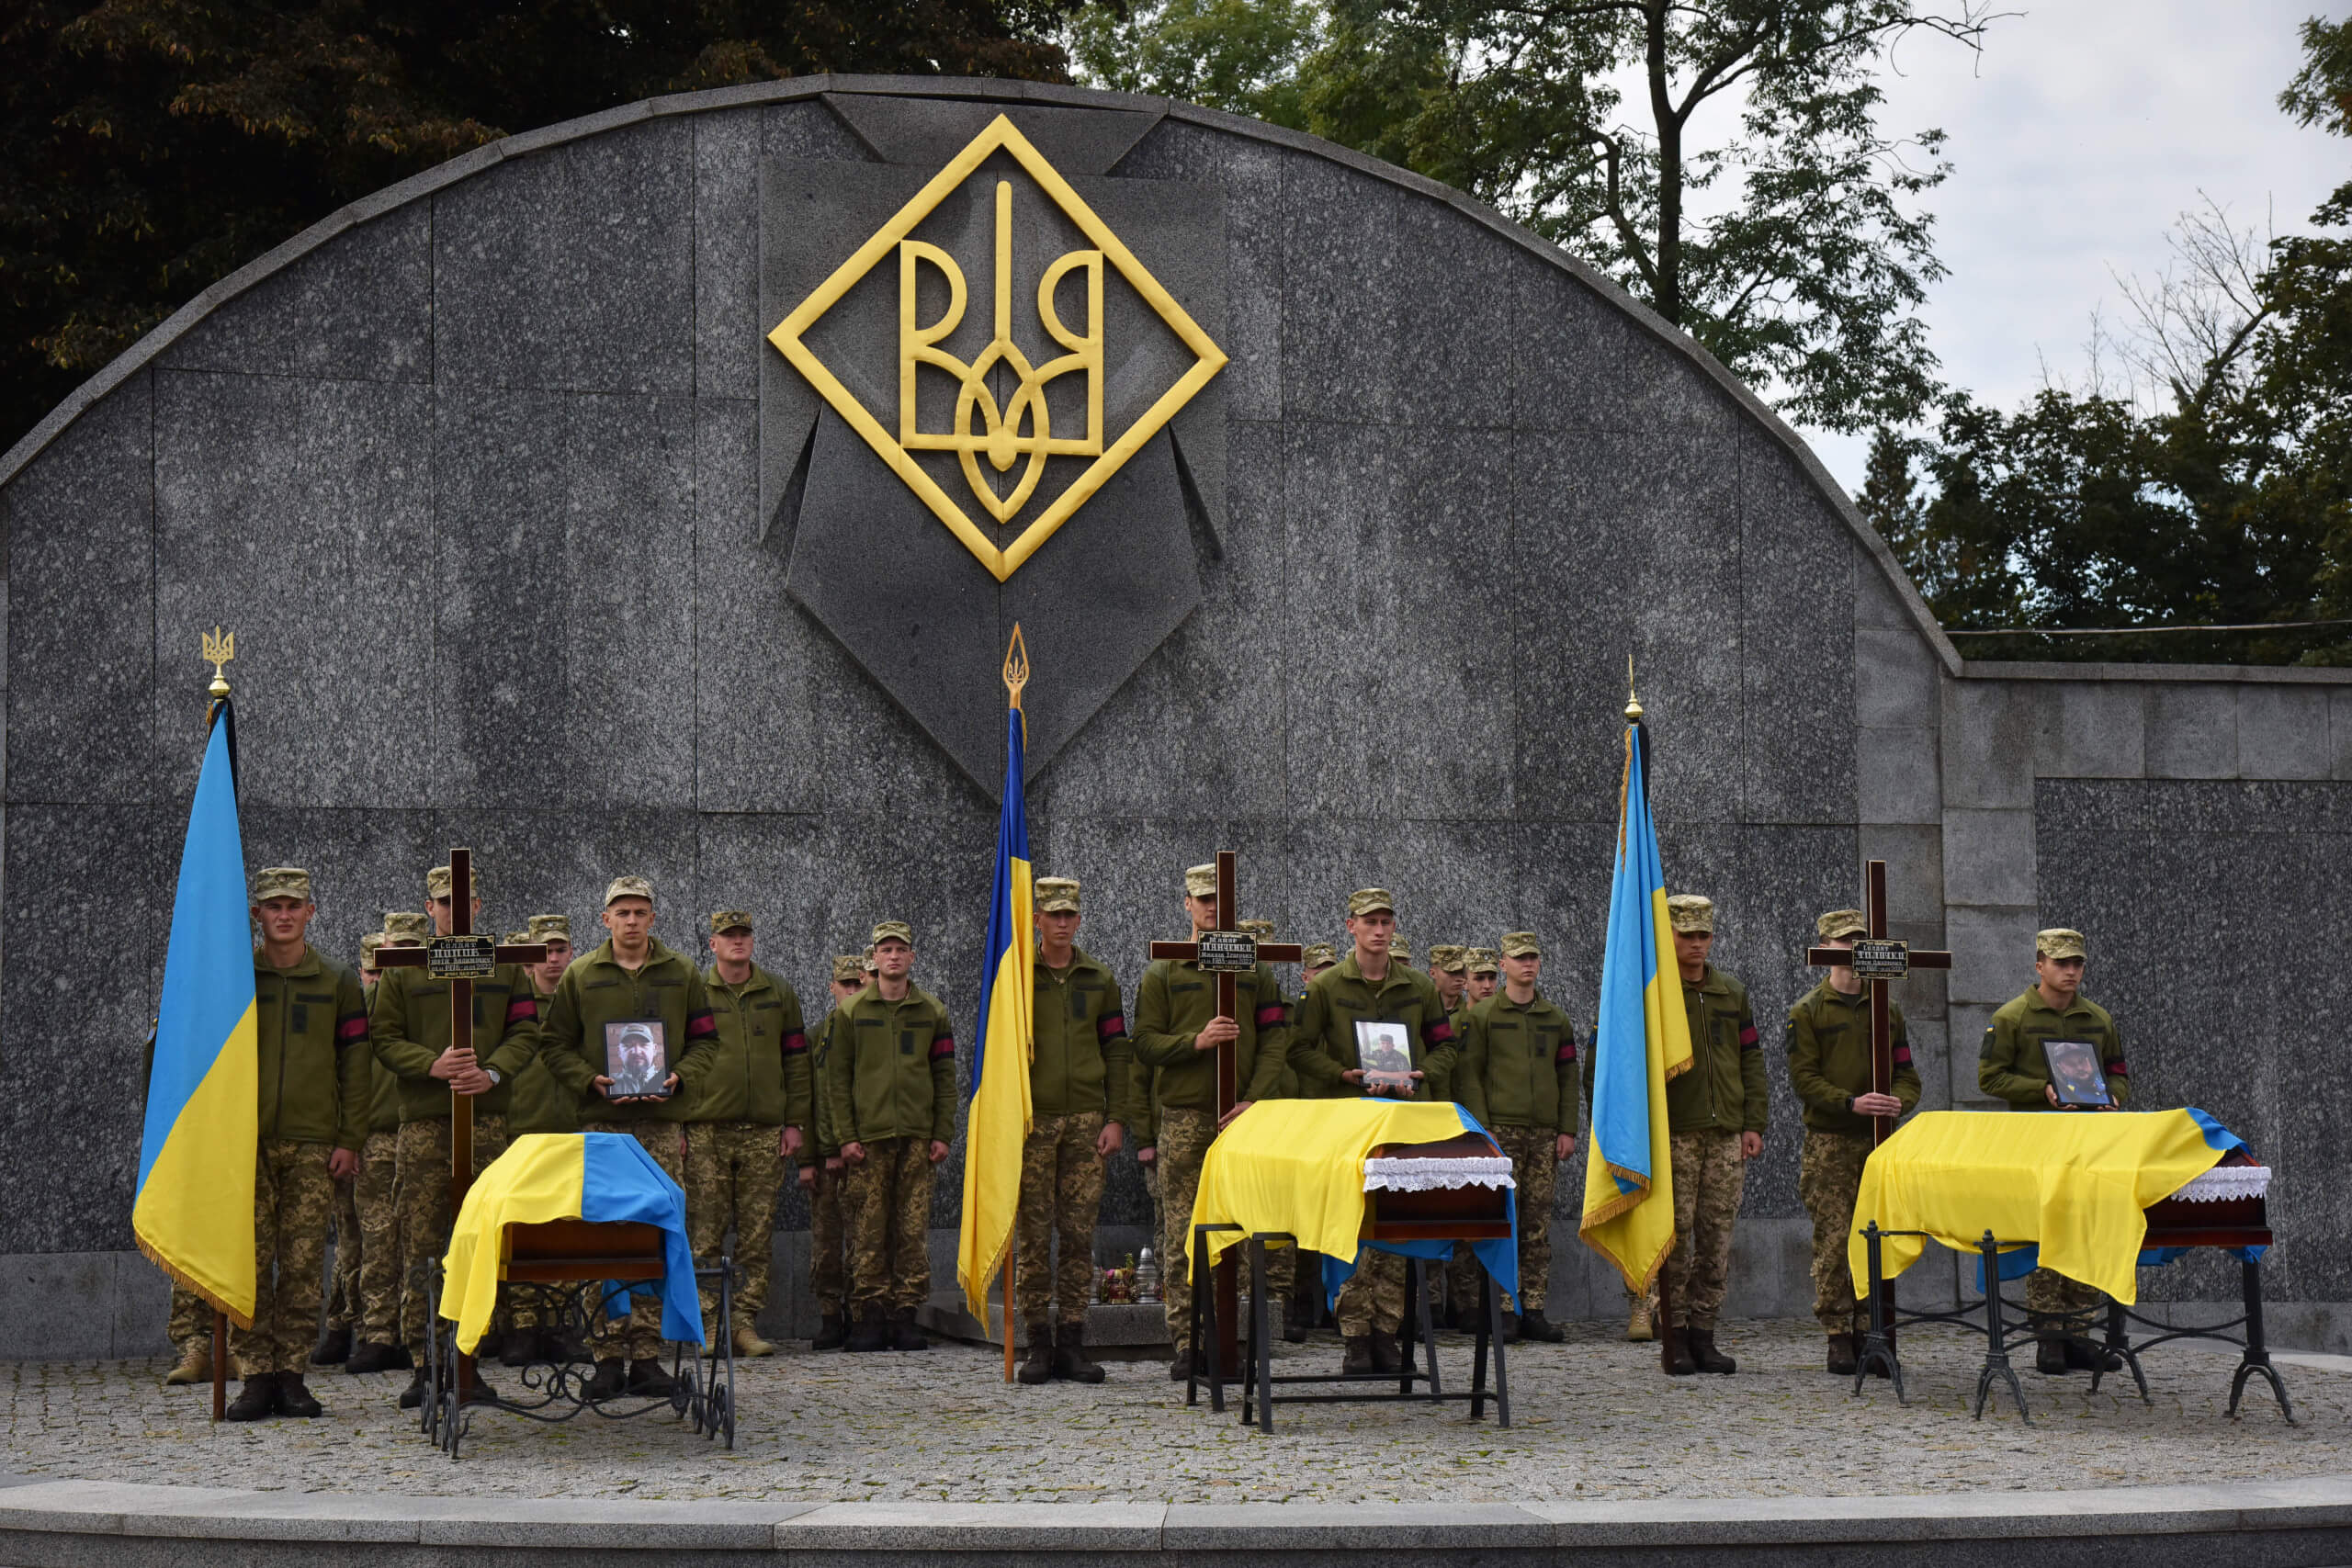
(1200, 881)
(1399, 948)
(1364, 900)
(627, 887)
(515, 939)
(367, 946)
(282, 882)
(1319, 955)
(1449, 956)
(1056, 894)
(1689, 912)
(551, 928)
(406, 928)
(2059, 943)
(1841, 922)
(636, 1032)
(867, 962)
(893, 931)
(1521, 944)
(848, 966)
(1481, 960)
(436, 882)
(1262, 929)
(725, 921)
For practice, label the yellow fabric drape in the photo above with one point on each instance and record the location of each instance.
(1297, 1165)
(537, 1179)
(2075, 1183)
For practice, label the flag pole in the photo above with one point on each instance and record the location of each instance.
(1662, 1324)
(217, 651)
(1016, 676)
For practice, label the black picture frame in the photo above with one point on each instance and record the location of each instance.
(637, 1058)
(2075, 1073)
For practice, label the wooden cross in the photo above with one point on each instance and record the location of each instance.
(1879, 962)
(464, 957)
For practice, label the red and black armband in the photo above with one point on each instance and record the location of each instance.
(1748, 1038)
(523, 1010)
(1112, 1026)
(944, 1045)
(700, 1024)
(1272, 1014)
(795, 1043)
(351, 1029)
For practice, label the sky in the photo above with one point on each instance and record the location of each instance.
(2078, 137)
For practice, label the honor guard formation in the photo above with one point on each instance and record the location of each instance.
(718, 1074)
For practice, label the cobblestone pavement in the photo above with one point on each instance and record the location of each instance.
(1594, 1419)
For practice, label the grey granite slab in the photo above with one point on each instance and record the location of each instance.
(360, 309)
(2283, 733)
(1895, 672)
(1989, 729)
(2086, 731)
(1798, 664)
(588, 1523)
(928, 132)
(1898, 777)
(729, 332)
(965, 1526)
(1364, 1527)
(1342, 302)
(1988, 856)
(2192, 732)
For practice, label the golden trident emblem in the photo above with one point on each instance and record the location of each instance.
(219, 648)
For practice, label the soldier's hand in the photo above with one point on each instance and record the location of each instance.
(854, 1153)
(2050, 1093)
(1110, 1140)
(342, 1165)
(1353, 1076)
(1564, 1149)
(808, 1176)
(472, 1081)
(1146, 1155)
(603, 1085)
(450, 1062)
(1216, 1032)
(1238, 1107)
(1750, 1144)
(669, 1086)
(938, 1151)
(1877, 1105)
(834, 1165)
(790, 1143)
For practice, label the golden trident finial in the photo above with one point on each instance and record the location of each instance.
(1016, 675)
(219, 648)
(1633, 702)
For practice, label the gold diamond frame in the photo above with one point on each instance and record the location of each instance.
(787, 337)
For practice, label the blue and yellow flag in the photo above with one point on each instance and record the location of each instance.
(1641, 1038)
(998, 1122)
(194, 1211)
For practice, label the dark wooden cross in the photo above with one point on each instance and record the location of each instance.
(1228, 952)
(1879, 962)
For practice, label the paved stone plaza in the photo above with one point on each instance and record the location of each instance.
(1595, 1420)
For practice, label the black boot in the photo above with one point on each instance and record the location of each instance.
(1070, 1361)
(523, 1347)
(1679, 1363)
(1298, 1317)
(294, 1398)
(2089, 1356)
(871, 1333)
(478, 1390)
(1182, 1368)
(257, 1399)
(1039, 1365)
(370, 1356)
(1357, 1361)
(1534, 1325)
(1706, 1357)
(335, 1349)
(611, 1379)
(1511, 1328)
(1387, 1356)
(413, 1394)
(491, 1346)
(832, 1332)
(650, 1380)
(1841, 1355)
(904, 1334)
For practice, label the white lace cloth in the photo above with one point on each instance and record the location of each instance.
(2224, 1183)
(1434, 1175)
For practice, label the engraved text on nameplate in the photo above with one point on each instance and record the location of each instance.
(1223, 952)
(461, 957)
(1881, 958)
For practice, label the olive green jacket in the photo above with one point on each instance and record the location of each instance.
(1323, 1040)
(538, 1103)
(1175, 1002)
(2010, 1065)
(596, 991)
(1723, 1087)
(1084, 1060)
(890, 1068)
(1829, 1058)
(311, 1021)
(1516, 1067)
(409, 1025)
(383, 1088)
(762, 1071)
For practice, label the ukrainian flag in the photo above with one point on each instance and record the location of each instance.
(998, 1123)
(194, 1211)
(1641, 1039)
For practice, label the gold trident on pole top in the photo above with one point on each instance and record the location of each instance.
(219, 648)
(1016, 675)
(1633, 702)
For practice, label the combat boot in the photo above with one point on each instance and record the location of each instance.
(334, 1348)
(1385, 1354)
(257, 1399)
(1534, 1325)
(2049, 1347)
(1638, 1326)
(1357, 1361)
(1039, 1364)
(1841, 1355)
(294, 1398)
(749, 1343)
(872, 1333)
(2089, 1356)
(1182, 1368)
(832, 1332)
(194, 1364)
(368, 1356)
(1706, 1357)
(1070, 1360)
(523, 1347)
(611, 1379)
(650, 1380)
(904, 1334)
(1298, 1317)
(1511, 1328)
(1679, 1363)
(413, 1394)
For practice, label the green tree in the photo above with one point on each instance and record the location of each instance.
(150, 147)
(1241, 55)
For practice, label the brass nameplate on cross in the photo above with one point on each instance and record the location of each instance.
(461, 957)
(1882, 958)
(1228, 953)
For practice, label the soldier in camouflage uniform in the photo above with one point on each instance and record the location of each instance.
(375, 1331)
(538, 1104)
(1829, 1067)
(343, 1297)
(890, 1090)
(745, 1116)
(1517, 1071)
(1282, 1265)
(1370, 983)
(310, 1023)
(826, 1177)
(1178, 1034)
(1457, 1280)
(2011, 1066)
(1081, 1067)
(1715, 1119)
(1484, 975)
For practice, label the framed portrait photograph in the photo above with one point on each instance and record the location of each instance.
(2075, 1074)
(636, 1058)
(1385, 1052)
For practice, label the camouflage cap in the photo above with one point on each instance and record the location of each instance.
(848, 968)
(1521, 944)
(1200, 881)
(367, 946)
(723, 920)
(281, 882)
(2059, 943)
(1364, 900)
(1056, 894)
(1400, 948)
(1841, 922)
(1482, 960)
(436, 882)
(867, 963)
(636, 1032)
(893, 931)
(406, 928)
(1319, 955)
(627, 887)
(515, 939)
(1689, 912)
(551, 928)
(1449, 957)
(1262, 929)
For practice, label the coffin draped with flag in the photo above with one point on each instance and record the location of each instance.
(997, 1123)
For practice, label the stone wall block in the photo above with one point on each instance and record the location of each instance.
(2193, 732)
(1988, 744)
(1895, 673)
(1342, 308)
(1897, 777)
(2283, 732)
(357, 309)
(1992, 953)
(1798, 674)
(2087, 729)
(1988, 857)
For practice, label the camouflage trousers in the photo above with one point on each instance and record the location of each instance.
(638, 1336)
(343, 1299)
(888, 1203)
(2049, 1293)
(293, 1205)
(421, 1207)
(1533, 1168)
(1707, 1178)
(191, 1322)
(1461, 1279)
(380, 1238)
(827, 1265)
(1184, 1139)
(1373, 1301)
(1061, 1195)
(733, 1170)
(1829, 1175)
